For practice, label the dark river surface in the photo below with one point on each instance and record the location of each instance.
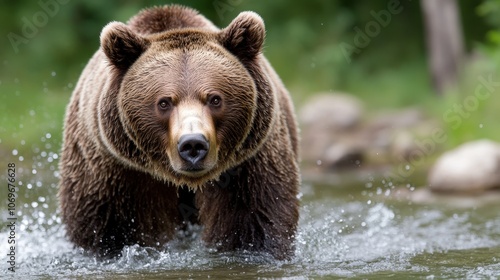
(359, 231)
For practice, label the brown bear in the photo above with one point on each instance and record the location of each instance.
(174, 120)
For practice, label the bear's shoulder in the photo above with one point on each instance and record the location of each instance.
(164, 18)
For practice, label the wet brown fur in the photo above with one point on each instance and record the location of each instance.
(118, 182)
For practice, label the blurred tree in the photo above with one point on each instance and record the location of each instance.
(445, 46)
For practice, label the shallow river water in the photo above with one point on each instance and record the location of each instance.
(357, 231)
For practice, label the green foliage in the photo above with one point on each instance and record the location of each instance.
(479, 113)
(489, 10)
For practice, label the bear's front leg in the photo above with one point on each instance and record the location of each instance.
(109, 207)
(254, 206)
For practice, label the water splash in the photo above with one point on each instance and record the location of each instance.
(338, 234)
(334, 238)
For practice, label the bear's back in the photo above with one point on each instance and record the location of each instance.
(161, 19)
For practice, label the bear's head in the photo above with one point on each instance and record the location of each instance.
(192, 102)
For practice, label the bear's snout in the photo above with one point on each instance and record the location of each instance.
(193, 148)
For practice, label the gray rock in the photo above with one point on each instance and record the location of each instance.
(332, 111)
(343, 155)
(472, 167)
(403, 118)
(391, 133)
(324, 120)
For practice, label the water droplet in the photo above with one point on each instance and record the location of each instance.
(318, 162)
(480, 125)
(53, 74)
(369, 202)
(34, 204)
(29, 186)
(48, 135)
(407, 167)
(14, 152)
(33, 171)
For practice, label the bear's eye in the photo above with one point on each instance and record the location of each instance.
(215, 100)
(165, 104)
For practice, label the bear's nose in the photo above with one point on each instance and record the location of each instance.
(193, 147)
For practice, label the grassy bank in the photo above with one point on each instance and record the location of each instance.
(30, 114)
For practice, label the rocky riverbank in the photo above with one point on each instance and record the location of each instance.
(341, 140)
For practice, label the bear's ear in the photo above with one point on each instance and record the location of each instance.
(244, 36)
(121, 45)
